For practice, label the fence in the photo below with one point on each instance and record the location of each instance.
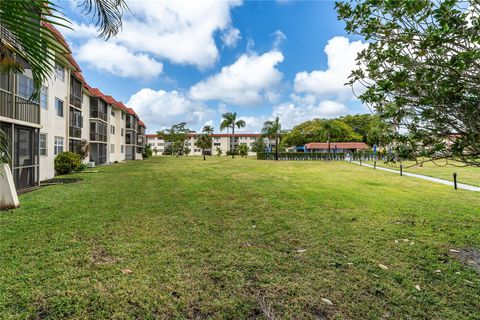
(327, 156)
(302, 156)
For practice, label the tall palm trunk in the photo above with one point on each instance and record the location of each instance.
(276, 148)
(233, 141)
(203, 151)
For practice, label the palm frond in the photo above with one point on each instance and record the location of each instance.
(107, 13)
(4, 148)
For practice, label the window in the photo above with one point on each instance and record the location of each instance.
(25, 86)
(112, 112)
(59, 107)
(112, 148)
(112, 129)
(43, 144)
(123, 116)
(59, 72)
(216, 144)
(58, 146)
(159, 144)
(122, 147)
(122, 131)
(44, 97)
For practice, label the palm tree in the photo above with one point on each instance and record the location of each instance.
(230, 121)
(4, 148)
(207, 129)
(328, 130)
(27, 35)
(273, 130)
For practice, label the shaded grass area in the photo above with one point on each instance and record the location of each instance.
(224, 239)
(439, 169)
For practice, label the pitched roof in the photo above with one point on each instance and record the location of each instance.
(338, 145)
(140, 123)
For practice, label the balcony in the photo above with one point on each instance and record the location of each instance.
(76, 101)
(23, 110)
(75, 132)
(98, 137)
(98, 115)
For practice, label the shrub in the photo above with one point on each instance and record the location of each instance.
(82, 167)
(66, 162)
(229, 153)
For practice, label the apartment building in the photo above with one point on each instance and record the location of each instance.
(68, 115)
(224, 141)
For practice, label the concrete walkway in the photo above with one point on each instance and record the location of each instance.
(420, 176)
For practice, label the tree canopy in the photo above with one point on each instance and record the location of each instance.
(420, 70)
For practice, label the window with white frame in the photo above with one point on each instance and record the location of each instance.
(112, 148)
(44, 98)
(112, 129)
(43, 144)
(122, 147)
(25, 86)
(112, 112)
(59, 72)
(59, 107)
(58, 145)
(122, 131)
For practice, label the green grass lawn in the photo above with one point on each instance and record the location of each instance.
(439, 169)
(224, 239)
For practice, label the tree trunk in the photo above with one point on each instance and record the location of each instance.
(276, 149)
(233, 142)
(203, 151)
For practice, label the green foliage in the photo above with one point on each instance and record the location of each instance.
(4, 148)
(176, 136)
(203, 142)
(218, 151)
(230, 153)
(420, 70)
(242, 150)
(148, 152)
(321, 130)
(230, 121)
(67, 162)
(258, 145)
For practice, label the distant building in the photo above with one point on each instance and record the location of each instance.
(224, 141)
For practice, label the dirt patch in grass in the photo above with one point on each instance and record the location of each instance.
(102, 256)
(469, 257)
(60, 181)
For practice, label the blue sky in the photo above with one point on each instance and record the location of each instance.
(174, 61)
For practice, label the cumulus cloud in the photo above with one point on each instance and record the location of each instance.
(329, 83)
(231, 37)
(181, 32)
(118, 60)
(292, 113)
(160, 109)
(245, 82)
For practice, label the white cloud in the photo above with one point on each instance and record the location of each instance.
(179, 31)
(329, 83)
(292, 113)
(160, 109)
(118, 60)
(245, 82)
(231, 37)
(279, 38)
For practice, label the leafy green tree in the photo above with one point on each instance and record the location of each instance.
(175, 136)
(258, 145)
(155, 151)
(219, 151)
(273, 130)
(147, 153)
(243, 150)
(204, 141)
(360, 123)
(420, 70)
(29, 38)
(230, 121)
